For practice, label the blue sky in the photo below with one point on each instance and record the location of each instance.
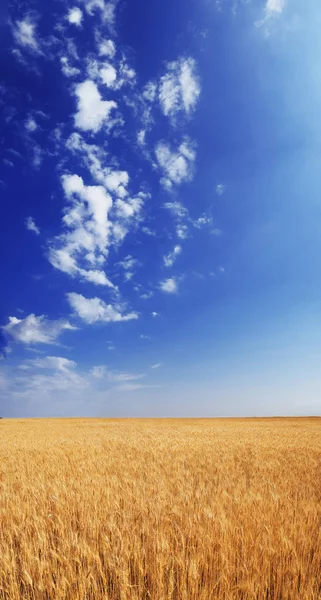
(160, 192)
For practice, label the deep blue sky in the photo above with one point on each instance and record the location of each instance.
(160, 190)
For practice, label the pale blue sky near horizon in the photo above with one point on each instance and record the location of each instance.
(161, 216)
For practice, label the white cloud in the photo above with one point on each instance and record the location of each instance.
(35, 330)
(30, 224)
(101, 372)
(75, 16)
(107, 48)
(109, 12)
(149, 92)
(202, 221)
(92, 155)
(92, 110)
(49, 362)
(171, 257)
(182, 231)
(144, 337)
(91, 5)
(38, 155)
(157, 366)
(220, 189)
(119, 376)
(179, 88)
(169, 285)
(67, 70)
(148, 231)
(108, 75)
(147, 295)
(190, 88)
(170, 94)
(93, 310)
(274, 7)
(155, 314)
(127, 75)
(177, 165)
(55, 386)
(96, 277)
(107, 9)
(141, 137)
(31, 124)
(130, 387)
(129, 265)
(24, 32)
(115, 179)
(130, 208)
(177, 209)
(82, 249)
(119, 232)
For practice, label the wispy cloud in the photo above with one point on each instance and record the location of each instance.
(25, 34)
(67, 69)
(273, 8)
(220, 189)
(147, 295)
(177, 209)
(179, 88)
(102, 371)
(31, 225)
(48, 362)
(157, 366)
(170, 258)
(129, 264)
(177, 166)
(107, 48)
(106, 9)
(132, 387)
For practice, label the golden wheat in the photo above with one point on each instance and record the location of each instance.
(160, 509)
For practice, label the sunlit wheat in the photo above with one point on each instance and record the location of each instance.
(160, 510)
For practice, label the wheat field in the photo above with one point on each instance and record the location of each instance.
(160, 509)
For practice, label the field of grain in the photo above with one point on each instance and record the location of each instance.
(160, 509)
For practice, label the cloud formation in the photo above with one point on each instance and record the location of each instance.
(36, 330)
(49, 362)
(92, 110)
(179, 88)
(25, 35)
(82, 249)
(31, 124)
(170, 258)
(274, 7)
(177, 166)
(220, 189)
(31, 225)
(93, 310)
(169, 285)
(75, 16)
